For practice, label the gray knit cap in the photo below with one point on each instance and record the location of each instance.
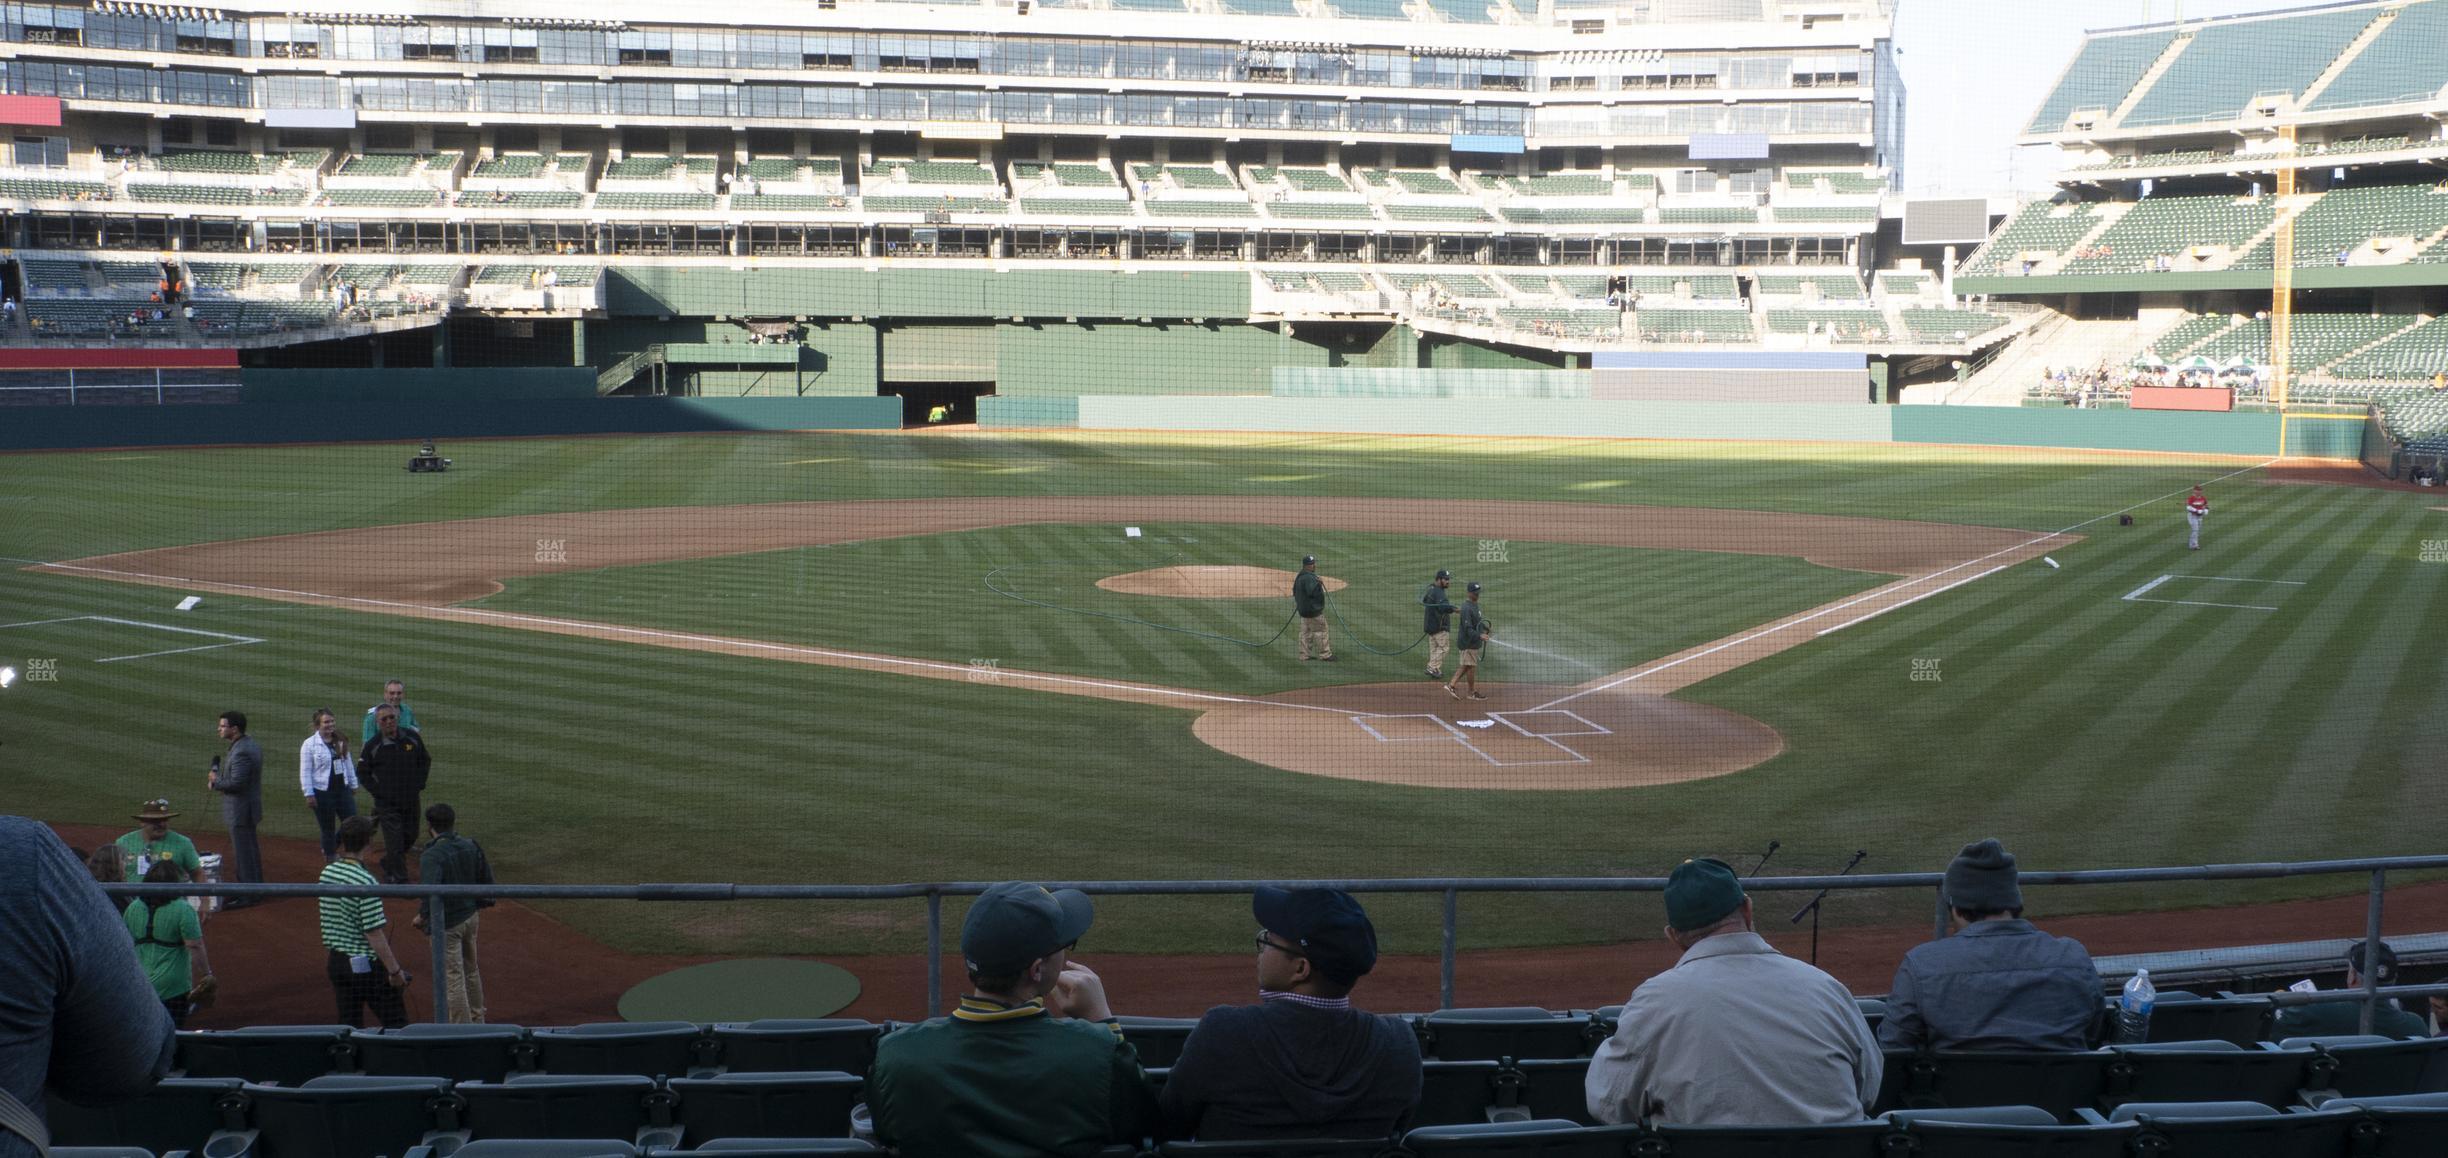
(1982, 879)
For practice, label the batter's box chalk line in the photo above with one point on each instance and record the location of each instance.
(1588, 726)
(2142, 594)
(229, 639)
(1448, 730)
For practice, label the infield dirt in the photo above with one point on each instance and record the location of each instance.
(1624, 732)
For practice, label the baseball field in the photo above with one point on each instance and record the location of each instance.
(938, 656)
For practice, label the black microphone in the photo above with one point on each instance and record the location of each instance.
(1765, 857)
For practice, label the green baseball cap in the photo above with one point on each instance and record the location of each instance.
(1700, 893)
(1016, 922)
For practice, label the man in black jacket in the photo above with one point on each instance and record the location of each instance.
(393, 768)
(1302, 1063)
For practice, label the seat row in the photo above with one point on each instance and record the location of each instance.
(2341, 1128)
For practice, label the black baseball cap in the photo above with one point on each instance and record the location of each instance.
(1444, 574)
(2386, 958)
(1329, 926)
(1474, 587)
(1308, 560)
(1016, 922)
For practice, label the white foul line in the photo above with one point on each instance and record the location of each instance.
(616, 630)
(228, 639)
(1888, 589)
(2225, 579)
(1915, 599)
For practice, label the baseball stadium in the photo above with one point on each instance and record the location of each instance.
(770, 476)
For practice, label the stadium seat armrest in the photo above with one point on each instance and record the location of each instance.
(2085, 1115)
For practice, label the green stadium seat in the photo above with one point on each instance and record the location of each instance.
(1831, 286)
(1504, 1032)
(1840, 181)
(2234, 1130)
(1072, 207)
(1457, 1092)
(510, 165)
(461, 1053)
(1531, 1139)
(1866, 216)
(656, 1048)
(624, 200)
(765, 1105)
(563, 1106)
(377, 165)
(1708, 215)
(44, 189)
(1975, 1134)
(1681, 325)
(2042, 227)
(793, 203)
(2179, 1071)
(1943, 325)
(2055, 1082)
(383, 198)
(345, 1116)
(1158, 1040)
(2407, 1126)
(177, 1114)
(793, 1147)
(2228, 63)
(1405, 211)
(2402, 64)
(1424, 181)
(1340, 281)
(536, 1148)
(1341, 210)
(1279, 1148)
(1856, 1140)
(2372, 1066)
(798, 1045)
(2158, 228)
(2102, 73)
(2186, 1017)
(285, 1055)
(1169, 208)
(1842, 325)
(1555, 1088)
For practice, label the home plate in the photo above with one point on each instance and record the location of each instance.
(188, 604)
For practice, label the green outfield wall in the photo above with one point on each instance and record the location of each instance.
(2160, 430)
(1004, 413)
(1565, 418)
(392, 418)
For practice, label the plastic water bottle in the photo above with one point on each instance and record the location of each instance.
(2134, 1009)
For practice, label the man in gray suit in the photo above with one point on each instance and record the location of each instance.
(238, 776)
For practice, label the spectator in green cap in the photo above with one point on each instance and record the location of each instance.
(1736, 1034)
(1032, 1063)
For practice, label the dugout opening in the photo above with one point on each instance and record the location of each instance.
(920, 399)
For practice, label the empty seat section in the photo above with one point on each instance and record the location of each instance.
(764, 1105)
(345, 1117)
(654, 1048)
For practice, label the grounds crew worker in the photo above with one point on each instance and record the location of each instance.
(1436, 623)
(1309, 602)
(1475, 632)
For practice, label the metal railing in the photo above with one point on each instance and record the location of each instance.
(1448, 889)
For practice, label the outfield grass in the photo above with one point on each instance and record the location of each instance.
(2084, 729)
(1026, 597)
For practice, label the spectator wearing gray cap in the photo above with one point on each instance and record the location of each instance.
(1997, 982)
(1736, 1033)
(1309, 603)
(2328, 1018)
(1032, 1063)
(1436, 621)
(1302, 1063)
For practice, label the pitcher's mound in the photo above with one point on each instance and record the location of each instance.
(1210, 583)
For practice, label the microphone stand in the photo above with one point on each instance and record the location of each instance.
(1765, 857)
(1811, 910)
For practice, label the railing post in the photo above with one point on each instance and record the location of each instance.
(2371, 950)
(934, 970)
(434, 934)
(1445, 955)
(1938, 924)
